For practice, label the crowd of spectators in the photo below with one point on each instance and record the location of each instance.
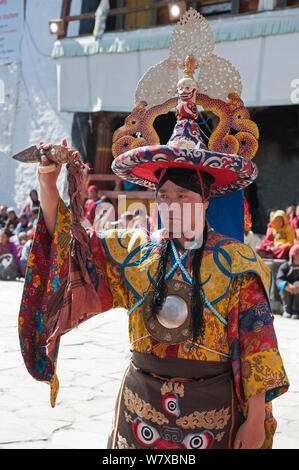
(16, 233)
(101, 214)
(17, 229)
(280, 247)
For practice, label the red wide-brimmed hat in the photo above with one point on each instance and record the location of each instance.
(186, 149)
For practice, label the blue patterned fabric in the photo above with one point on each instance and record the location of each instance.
(226, 215)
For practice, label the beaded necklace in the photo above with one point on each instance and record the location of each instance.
(178, 263)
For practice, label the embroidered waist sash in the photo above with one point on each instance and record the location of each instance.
(176, 367)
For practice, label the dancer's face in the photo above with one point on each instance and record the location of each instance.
(182, 211)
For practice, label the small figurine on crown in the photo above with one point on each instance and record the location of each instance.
(187, 132)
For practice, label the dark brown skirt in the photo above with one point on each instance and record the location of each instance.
(191, 405)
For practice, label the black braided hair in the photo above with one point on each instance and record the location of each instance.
(159, 287)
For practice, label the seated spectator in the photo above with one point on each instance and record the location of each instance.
(104, 214)
(12, 219)
(295, 220)
(9, 247)
(287, 281)
(24, 255)
(279, 238)
(91, 203)
(30, 204)
(3, 216)
(35, 212)
(291, 212)
(21, 240)
(23, 225)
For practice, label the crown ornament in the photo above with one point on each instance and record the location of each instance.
(191, 47)
(191, 76)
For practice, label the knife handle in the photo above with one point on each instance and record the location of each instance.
(47, 168)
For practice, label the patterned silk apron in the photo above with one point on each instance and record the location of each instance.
(175, 404)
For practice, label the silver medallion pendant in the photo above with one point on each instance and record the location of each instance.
(172, 324)
(174, 312)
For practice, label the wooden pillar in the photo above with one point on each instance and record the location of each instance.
(103, 158)
(65, 11)
(235, 7)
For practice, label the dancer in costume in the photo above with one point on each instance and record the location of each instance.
(205, 363)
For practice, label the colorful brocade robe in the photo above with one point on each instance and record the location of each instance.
(234, 279)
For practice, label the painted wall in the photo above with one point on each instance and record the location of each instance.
(28, 113)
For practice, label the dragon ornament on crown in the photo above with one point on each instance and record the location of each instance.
(217, 90)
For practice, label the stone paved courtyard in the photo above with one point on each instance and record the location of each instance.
(91, 363)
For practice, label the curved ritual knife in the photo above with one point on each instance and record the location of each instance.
(56, 154)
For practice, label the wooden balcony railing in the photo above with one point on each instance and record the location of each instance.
(230, 7)
(233, 7)
(118, 191)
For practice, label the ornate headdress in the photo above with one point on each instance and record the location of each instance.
(217, 88)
